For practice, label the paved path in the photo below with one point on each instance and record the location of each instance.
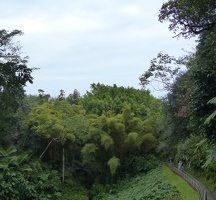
(204, 193)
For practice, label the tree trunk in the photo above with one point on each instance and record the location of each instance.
(63, 166)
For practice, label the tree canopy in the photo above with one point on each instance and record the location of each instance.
(189, 18)
(14, 75)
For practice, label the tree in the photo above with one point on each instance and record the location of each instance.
(165, 69)
(174, 124)
(74, 97)
(57, 128)
(204, 73)
(61, 96)
(54, 121)
(110, 100)
(13, 68)
(14, 74)
(190, 17)
(42, 97)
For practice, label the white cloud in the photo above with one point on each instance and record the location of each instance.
(31, 25)
(131, 9)
(77, 24)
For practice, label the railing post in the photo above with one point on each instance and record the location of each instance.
(205, 195)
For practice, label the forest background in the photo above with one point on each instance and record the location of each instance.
(76, 146)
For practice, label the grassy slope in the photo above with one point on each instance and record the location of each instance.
(156, 185)
(187, 192)
(151, 186)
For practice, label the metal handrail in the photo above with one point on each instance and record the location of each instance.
(202, 191)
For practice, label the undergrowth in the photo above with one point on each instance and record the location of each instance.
(151, 186)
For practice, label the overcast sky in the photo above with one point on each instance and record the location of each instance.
(79, 42)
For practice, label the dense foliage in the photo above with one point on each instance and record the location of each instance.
(14, 74)
(76, 147)
(104, 136)
(70, 143)
(187, 126)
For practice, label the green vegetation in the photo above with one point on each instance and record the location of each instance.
(143, 186)
(102, 144)
(207, 182)
(187, 192)
(186, 130)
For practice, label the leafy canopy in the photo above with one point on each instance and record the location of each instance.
(190, 17)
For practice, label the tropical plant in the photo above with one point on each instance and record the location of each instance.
(22, 178)
(211, 117)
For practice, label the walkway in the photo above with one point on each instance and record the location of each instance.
(204, 193)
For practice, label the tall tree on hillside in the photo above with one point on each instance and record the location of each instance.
(190, 91)
(173, 126)
(204, 73)
(14, 74)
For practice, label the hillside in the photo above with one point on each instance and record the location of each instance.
(160, 183)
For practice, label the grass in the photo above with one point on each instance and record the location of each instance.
(208, 183)
(187, 192)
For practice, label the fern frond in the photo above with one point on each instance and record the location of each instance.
(3, 166)
(212, 101)
(22, 158)
(12, 160)
(210, 117)
(11, 150)
(2, 152)
(26, 168)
